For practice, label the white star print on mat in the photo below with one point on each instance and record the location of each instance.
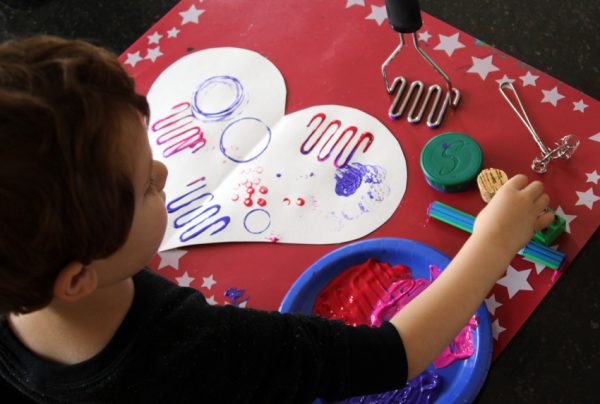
(482, 67)
(351, 3)
(424, 36)
(190, 15)
(552, 96)
(587, 198)
(515, 281)
(497, 329)
(170, 258)
(580, 106)
(173, 32)
(592, 177)
(154, 38)
(568, 218)
(133, 58)
(538, 267)
(449, 44)
(208, 281)
(154, 53)
(378, 14)
(505, 79)
(492, 304)
(184, 280)
(529, 79)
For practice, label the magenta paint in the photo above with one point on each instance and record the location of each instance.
(372, 292)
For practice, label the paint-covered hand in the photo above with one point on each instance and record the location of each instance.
(515, 213)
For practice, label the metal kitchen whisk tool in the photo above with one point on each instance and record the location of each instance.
(405, 17)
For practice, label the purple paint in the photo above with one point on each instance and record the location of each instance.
(348, 179)
(237, 297)
(423, 389)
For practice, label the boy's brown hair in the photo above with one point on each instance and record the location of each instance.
(65, 190)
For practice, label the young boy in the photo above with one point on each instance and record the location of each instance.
(82, 211)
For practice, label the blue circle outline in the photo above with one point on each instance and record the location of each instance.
(222, 147)
(253, 211)
(224, 113)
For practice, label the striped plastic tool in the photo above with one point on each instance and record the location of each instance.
(533, 250)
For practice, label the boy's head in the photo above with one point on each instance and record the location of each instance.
(66, 191)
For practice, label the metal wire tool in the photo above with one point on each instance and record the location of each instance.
(405, 17)
(563, 149)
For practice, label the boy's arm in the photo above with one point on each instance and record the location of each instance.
(435, 317)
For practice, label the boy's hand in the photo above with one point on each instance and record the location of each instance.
(514, 214)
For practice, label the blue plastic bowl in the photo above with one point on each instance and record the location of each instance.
(464, 378)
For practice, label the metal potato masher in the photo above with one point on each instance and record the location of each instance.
(405, 17)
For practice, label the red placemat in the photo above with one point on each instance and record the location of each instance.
(330, 52)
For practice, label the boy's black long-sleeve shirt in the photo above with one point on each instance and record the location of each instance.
(175, 347)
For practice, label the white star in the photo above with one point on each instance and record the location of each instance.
(579, 106)
(378, 14)
(170, 258)
(596, 137)
(515, 281)
(587, 198)
(538, 267)
(190, 15)
(184, 280)
(424, 36)
(208, 281)
(351, 3)
(449, 44)
(133, 58)
(592, 177)
(172, 33)
(154, 38)
(482, 66)
(492, 304)
(211, 300)
(552, 96)
(529, 79)
(505, 79)
(497, 329)
(568, 218)
(154, 53)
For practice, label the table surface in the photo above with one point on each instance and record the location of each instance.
(556, 355)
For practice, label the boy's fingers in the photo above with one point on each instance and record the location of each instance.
(542, 202)
(543, 221)
(535, 189)
(519, 181)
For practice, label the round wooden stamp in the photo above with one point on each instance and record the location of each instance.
(489, 182)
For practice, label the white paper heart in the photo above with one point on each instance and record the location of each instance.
(242, 171)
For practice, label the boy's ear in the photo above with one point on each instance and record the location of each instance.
(75, 282)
